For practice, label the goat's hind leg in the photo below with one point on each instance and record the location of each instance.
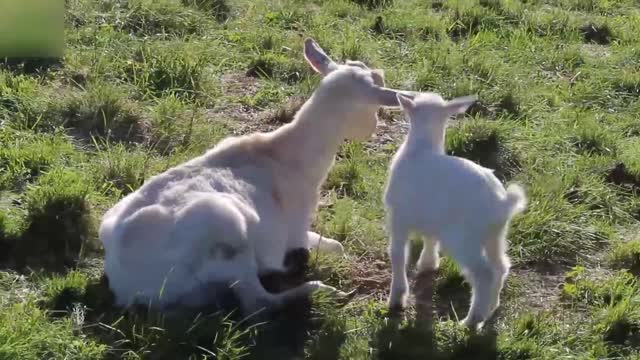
(468, 252)
(496, 251)
(429, 258)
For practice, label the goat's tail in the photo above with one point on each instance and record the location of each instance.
(516, 200)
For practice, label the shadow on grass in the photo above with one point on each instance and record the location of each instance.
(423, 338)
(216, 331)
(30, 65)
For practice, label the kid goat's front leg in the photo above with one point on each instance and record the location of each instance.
(398, 253)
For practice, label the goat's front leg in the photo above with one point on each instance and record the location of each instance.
(398, 254)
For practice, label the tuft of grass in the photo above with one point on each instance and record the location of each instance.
(346, 178)
(26, 332)
(24, 156)
(620, 325)
(161, 18)
(58, 224)
(161, 71)
(599, 34)
(120, 171)
(286, 112)
(277, 66)
(581, 289)
(374, 4)
(590, 138)
(101, 110)
(219, 9)
(484, 143)
(625, 255)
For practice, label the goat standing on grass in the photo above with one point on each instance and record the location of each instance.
(450, 201)
(231, 215)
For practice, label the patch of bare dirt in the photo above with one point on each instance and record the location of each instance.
(371, 277)
(243, 119)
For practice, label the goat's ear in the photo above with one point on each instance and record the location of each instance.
(316, 57)
(460, 104)
(406, 102)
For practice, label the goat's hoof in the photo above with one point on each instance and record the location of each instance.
(396, 308)
(472, 324)
(345, 297)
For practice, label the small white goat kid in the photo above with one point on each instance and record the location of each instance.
(230, 215)
(450, 201)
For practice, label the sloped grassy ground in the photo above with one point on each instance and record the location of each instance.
(145, 85)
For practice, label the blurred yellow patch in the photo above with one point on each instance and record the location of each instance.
(31, 28)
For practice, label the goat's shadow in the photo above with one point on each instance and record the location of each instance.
(418, 338)
(285, 334)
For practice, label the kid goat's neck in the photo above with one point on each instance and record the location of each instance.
(426, 138)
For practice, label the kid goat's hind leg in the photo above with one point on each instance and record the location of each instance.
(429, 258)
(496, 251)
(398, 254)
(467, 250)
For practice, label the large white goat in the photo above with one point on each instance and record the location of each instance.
(230, 215)
(450, 201)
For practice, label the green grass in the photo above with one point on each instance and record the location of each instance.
(144, 85)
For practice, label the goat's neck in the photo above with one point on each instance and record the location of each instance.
(426, 139)
(310, 142)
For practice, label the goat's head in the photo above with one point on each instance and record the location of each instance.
(352, 85)
(429, 111)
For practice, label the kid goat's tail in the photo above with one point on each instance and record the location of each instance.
(516, 200)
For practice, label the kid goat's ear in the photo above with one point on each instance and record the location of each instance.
(406, 102)
(460, 104)
(316, 57)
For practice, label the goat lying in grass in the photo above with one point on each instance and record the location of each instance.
(231, 215)
(450, 201)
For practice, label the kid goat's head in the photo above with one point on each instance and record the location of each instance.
(351, 86)
(429, 111)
